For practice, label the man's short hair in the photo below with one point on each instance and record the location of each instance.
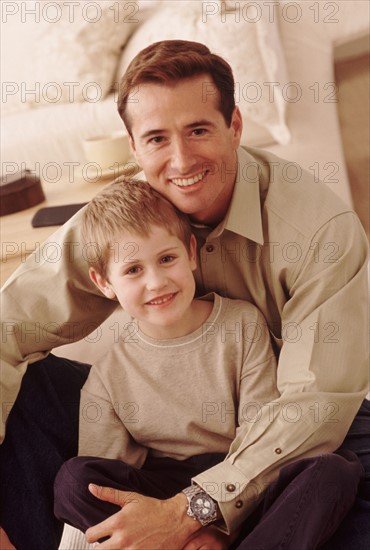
(132, 206)
(170, 61)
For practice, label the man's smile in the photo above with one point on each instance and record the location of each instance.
(186, 182)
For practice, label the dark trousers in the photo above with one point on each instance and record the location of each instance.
(42, 433)
(159, 478)
(301, 510)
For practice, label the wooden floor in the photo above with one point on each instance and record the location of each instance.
(353, 82)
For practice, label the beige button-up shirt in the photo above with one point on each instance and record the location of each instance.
(287, 244)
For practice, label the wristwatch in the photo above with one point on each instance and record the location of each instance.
(201, 506)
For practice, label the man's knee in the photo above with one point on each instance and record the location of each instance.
(341, 474)
(328, 478)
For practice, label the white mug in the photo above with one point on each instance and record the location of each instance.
(107, 150)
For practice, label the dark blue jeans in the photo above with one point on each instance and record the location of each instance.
(42, 433)
(354, 532)
(158, 478)
(302, 509)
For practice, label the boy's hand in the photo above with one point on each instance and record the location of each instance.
(211, 538)
(208, 538)
(143, 522)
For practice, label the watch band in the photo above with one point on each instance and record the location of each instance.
(201, 506)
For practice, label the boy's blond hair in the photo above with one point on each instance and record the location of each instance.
(127, 205)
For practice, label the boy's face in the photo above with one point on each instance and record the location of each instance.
(152, 278)
(184, 146)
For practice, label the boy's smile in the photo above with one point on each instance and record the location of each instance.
(184, 146)
(162, 301)
(154, 283)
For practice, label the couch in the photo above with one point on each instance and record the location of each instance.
(61, 70)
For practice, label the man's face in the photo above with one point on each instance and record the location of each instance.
(184, 146)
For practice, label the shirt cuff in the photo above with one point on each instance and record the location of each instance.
(234, 495)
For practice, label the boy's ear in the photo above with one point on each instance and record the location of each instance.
(101, 282)
(193, 253)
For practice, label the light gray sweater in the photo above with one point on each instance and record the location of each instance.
(179, 397)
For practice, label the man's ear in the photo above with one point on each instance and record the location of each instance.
(236, 127)
(133, 149)
(193, 253)
(102, 283)
(131, 142)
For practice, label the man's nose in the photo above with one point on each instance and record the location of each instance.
(182, 157)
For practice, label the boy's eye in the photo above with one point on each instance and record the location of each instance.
(133, 270)
(167, 259)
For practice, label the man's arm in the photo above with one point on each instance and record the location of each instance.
(322, 372)
(49, 301)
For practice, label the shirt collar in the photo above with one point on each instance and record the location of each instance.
(244, 214)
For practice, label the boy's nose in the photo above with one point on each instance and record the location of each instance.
(156, 280)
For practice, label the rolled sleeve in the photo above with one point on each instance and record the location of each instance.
(47, 303)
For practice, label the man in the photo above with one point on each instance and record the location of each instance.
(292, 248)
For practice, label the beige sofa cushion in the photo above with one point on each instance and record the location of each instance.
(250, 44)
(61, 52)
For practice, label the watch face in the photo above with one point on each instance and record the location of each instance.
(202, 506)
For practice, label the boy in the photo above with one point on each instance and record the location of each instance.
(153, 430)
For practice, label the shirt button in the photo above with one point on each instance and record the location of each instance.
(210, 248)
(230, 487)
(278, 451)
(238, 503)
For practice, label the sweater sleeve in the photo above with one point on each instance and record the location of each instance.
(49, 301)
(102, 427)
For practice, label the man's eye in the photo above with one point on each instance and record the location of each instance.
(156, 139)
(199, 131)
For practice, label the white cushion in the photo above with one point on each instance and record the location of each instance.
(66, 51)
(53, 135)
(252, 48)
(313, 120)
(345, 20)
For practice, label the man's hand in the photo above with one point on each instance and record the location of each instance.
(5, 543)
(143, 523)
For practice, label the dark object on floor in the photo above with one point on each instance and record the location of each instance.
(19, 191)
(55, 215)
